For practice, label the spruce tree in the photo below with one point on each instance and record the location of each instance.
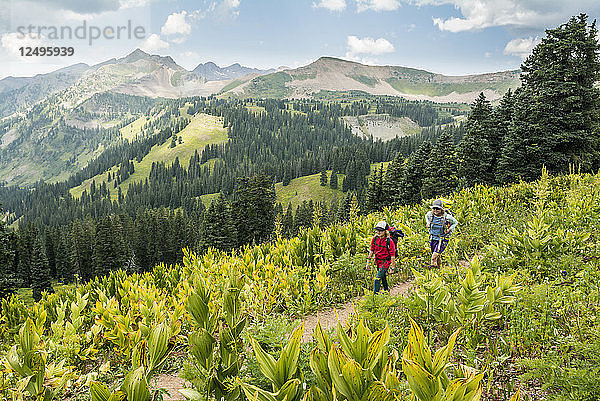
(394, 174)
(26, 238)
(333, 181)
(64, 268)
(441, 170)
(40, 273)
(412, 181)
(475, 153)
(345, 184)
(323, 178)
(253, 209)
(333, 211)
(7, 282)
(501, 119)
(555, 121)
(218, 226)
(375, 197)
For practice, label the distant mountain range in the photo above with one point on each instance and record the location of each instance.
(154, 76)
(138, 73)
(52, 124)
(329, 74)
(212, 72)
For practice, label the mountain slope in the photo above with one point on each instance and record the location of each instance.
(331, 74)
(139, 74)
(20, 92)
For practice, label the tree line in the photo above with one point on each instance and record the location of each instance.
(551, 121)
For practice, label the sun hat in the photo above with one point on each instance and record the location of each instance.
(438, 204)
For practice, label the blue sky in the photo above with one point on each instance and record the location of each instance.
(452, 37)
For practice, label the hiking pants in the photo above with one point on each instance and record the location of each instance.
(381, 279)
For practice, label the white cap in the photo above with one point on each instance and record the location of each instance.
(382, 225)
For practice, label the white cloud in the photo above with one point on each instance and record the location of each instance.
(521, 47)
(133, 3)
(228, 8)
(153, 44)
(11, 42)
(368, 46)
(377, 5)
(331, 5)
(231, 3)
(480, 14)
(176, 25)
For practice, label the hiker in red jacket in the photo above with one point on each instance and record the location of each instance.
(383, 250)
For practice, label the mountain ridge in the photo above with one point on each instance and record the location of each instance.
(334, 74)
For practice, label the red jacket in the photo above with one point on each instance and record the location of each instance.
(382, 254)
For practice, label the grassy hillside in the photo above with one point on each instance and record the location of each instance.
(307, 188)
(299, 190)
(203, 130)
(131, 130)
(517, 297)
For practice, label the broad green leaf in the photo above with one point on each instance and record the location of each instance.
(266, 362)
(336, 362)
(136, 386)
(323, 340)
(376, 346)
(254, 393)
(442, 356)
(99, 391)
(422, 383)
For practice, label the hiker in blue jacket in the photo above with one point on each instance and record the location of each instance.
(441, 225)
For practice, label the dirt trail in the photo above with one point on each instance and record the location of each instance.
(328, 316)
(171, 383)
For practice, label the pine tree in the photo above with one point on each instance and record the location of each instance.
(555, 120)
(288, 222)
(64, 268)
(253, 209)
(333, 211)
(333, 181)
(475, 153)
(375, 197)
(323, 178)
(218, 226)
(40, 274)
(394, 174)
(7, 284)
(412, 181)
(441, 170)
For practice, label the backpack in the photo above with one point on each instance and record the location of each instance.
(395, 235)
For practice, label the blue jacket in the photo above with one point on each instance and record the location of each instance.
(436, 225)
